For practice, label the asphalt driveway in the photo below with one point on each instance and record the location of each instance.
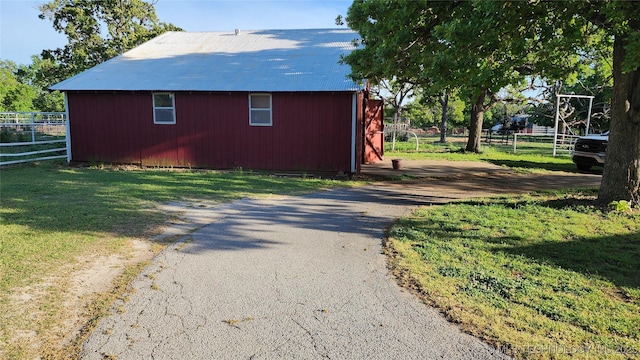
(293, 277)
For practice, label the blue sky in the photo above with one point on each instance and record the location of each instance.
(23, 34)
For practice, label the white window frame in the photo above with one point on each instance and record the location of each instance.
(270, 110)
(172, 108)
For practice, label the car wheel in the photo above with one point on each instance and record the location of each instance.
(584, 167)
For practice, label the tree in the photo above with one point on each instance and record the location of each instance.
(598, 23)
(443, 100)
(420, 114)
(394, 93)
(495, 44)
(621, 178)
(394, 50)
(124, 24)
(447, 109)
(477, 46)
(482, 46)
(14, 95)
(595, 79)
(564, 31)
(426, 111)
(33, 76)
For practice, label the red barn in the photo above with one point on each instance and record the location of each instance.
(275, 100)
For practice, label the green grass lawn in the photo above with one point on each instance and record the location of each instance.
(53, 215)
(531, 156)
(540, 276)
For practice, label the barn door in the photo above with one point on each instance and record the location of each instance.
(373, 131)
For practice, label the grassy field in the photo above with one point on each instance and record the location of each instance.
(55, 216)
(531, 156)
(541, 276)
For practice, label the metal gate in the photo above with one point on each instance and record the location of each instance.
(32, 136)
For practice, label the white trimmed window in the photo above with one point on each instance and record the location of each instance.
(164, 108)
(260, 110)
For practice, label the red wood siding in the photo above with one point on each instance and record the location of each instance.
(373, 131)
(310, 132)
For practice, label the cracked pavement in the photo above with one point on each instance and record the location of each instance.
(288, 277)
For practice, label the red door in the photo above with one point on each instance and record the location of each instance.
(373, 131)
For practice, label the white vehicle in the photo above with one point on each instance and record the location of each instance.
(590, 151)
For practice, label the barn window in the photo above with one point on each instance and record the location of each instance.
(260, 110)
(164, 108)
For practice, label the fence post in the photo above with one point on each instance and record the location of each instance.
(67, 127)
(33, 127)
(19, 121)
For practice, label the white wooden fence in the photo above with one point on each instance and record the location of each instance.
(562, 143)
(32, 136)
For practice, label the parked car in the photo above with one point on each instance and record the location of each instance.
(590, 151)
(510, 125)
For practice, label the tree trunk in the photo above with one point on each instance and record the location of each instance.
(621, 177)
(444, 102)
(396, 120)
(475, 128)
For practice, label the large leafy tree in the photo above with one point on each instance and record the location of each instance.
(584, 28)
(33, 76)
(14, 95)
(97, 31)
(482, 46)
(396, 44)
(476, 46)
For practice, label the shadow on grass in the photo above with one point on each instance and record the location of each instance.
(92, 201)
(88, 200)
(524, 164)
(616, 258)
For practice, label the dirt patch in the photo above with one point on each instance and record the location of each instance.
(71, 295)
(50, 319)
(95, 275)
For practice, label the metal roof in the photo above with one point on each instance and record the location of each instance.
(264, 60)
